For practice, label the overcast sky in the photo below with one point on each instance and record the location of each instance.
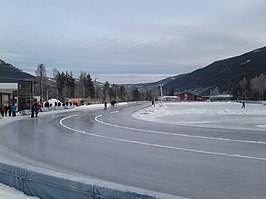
(128, 41)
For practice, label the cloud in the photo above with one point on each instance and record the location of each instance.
(124, 36)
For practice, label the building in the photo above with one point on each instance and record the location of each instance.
(188, 96)
(7, 93)
(9, 78)
(25, 94)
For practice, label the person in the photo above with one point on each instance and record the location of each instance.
(46, 104)
(38, 106)
(13, 110)
(9, 110)
(105, 105)
(2, 109)
(32, 108)
(6, 109)
(243, 105)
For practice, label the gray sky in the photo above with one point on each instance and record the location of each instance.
(128, 41)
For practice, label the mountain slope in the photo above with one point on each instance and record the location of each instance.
(153, 85)
(11, 74)
(221, 73)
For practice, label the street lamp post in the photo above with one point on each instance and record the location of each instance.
(161, 91)
(41, 84)
(95, 89)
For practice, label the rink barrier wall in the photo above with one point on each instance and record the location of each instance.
(44, 183)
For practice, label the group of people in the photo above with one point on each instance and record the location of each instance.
(8, 110)
(113, 103)
(35, 108)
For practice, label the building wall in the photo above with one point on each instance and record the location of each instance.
(6, 92)
(186, 96)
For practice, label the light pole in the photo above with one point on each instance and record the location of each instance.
(161, 91)
(41, 84)
(95, 89)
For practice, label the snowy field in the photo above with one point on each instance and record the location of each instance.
(225, 115)
(12, 193)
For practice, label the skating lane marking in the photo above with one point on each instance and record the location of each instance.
(158, 145)
(178, 134)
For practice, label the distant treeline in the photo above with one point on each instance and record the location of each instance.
(63, 85)
(253, 89)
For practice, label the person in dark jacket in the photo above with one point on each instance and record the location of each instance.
(32, 108)
(9, 110)
(243, 105)
(6, 109)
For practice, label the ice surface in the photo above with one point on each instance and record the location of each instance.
(7, 192)
(227, 115)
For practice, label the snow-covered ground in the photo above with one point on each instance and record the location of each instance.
(227, 115)
(7, 192)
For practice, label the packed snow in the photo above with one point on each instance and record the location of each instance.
(227, 115)
(7, 192)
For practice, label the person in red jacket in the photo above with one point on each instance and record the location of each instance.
(2, 109)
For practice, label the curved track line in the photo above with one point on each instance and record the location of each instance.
(158, 145)
(178, 134)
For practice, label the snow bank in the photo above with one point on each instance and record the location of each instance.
(7, 192)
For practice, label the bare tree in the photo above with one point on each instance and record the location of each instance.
(244, 87)
(41, 73)
(258, 86)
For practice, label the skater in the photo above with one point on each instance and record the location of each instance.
(32, 110)
(105, 105)
(9, 110)
(243, 105)
(2, 109)
(38, 106)
(6, 109)
(13, 110)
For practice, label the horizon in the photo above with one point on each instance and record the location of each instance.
(128, 41)
(141, 77)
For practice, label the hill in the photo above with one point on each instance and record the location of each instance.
(153, 85)
(11, 74)
(220, 74)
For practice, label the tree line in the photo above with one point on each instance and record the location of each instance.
(253, 88)
(64, 86)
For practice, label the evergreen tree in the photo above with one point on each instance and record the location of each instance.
(70, 85)
(89, 87)
(60, 79)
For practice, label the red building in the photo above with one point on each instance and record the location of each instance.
(187, 96)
